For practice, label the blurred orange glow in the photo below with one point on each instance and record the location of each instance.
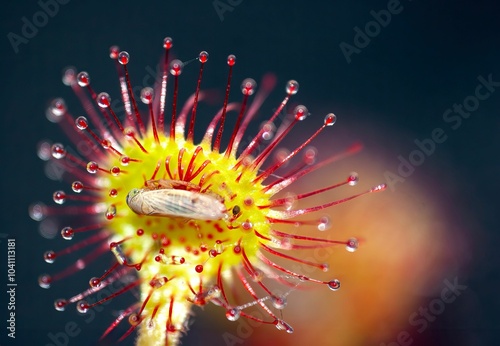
(406, 250)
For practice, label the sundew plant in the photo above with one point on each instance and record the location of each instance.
(188, 222)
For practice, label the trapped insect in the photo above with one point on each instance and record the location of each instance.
(175, 199)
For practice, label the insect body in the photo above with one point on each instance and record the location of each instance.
(162, 198)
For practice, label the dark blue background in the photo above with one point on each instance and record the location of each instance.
(427, 59)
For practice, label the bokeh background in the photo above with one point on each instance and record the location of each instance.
(439, 225)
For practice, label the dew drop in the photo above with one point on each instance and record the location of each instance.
(129, 132)
(123, 58)
(353, 179)
(37, 211)
(44, 150)
(330, 119)
(59, 197)
(83, 79)
(199, 268)
(77, 186)
(268, 130)
(49, 256)
(158, 282)
(124, 160)
(352, 245)
(164, 240)
(279, 302)
(151, 324)
(247, 160)
(176, 67)
(95, 282)
(106, 144)
(58, 151)
(103, 100)
(113, 52)
(290, 201)
(69, 76)
(67, 233)
(257, 275)
(178, 260)
(310, 156)
(246, 225)
(334, 285)
(199, 299)
(44, 280)
(233, 314)
(115, 171)
(147, 95)
(213, 292)
(167, 42)
(81, 123)
(134, 319)
(218, 247)
(118, 252)
(282, 325)
(300, 112)
(281, 155)
(82, 307)
(113, 193)
(286, 244)
(56, 109)
(110, 212)
(92, 167)
(248, 86)
(292, 87)
(324, 223)
(60, 304)
(203, 57)
(231, 60)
